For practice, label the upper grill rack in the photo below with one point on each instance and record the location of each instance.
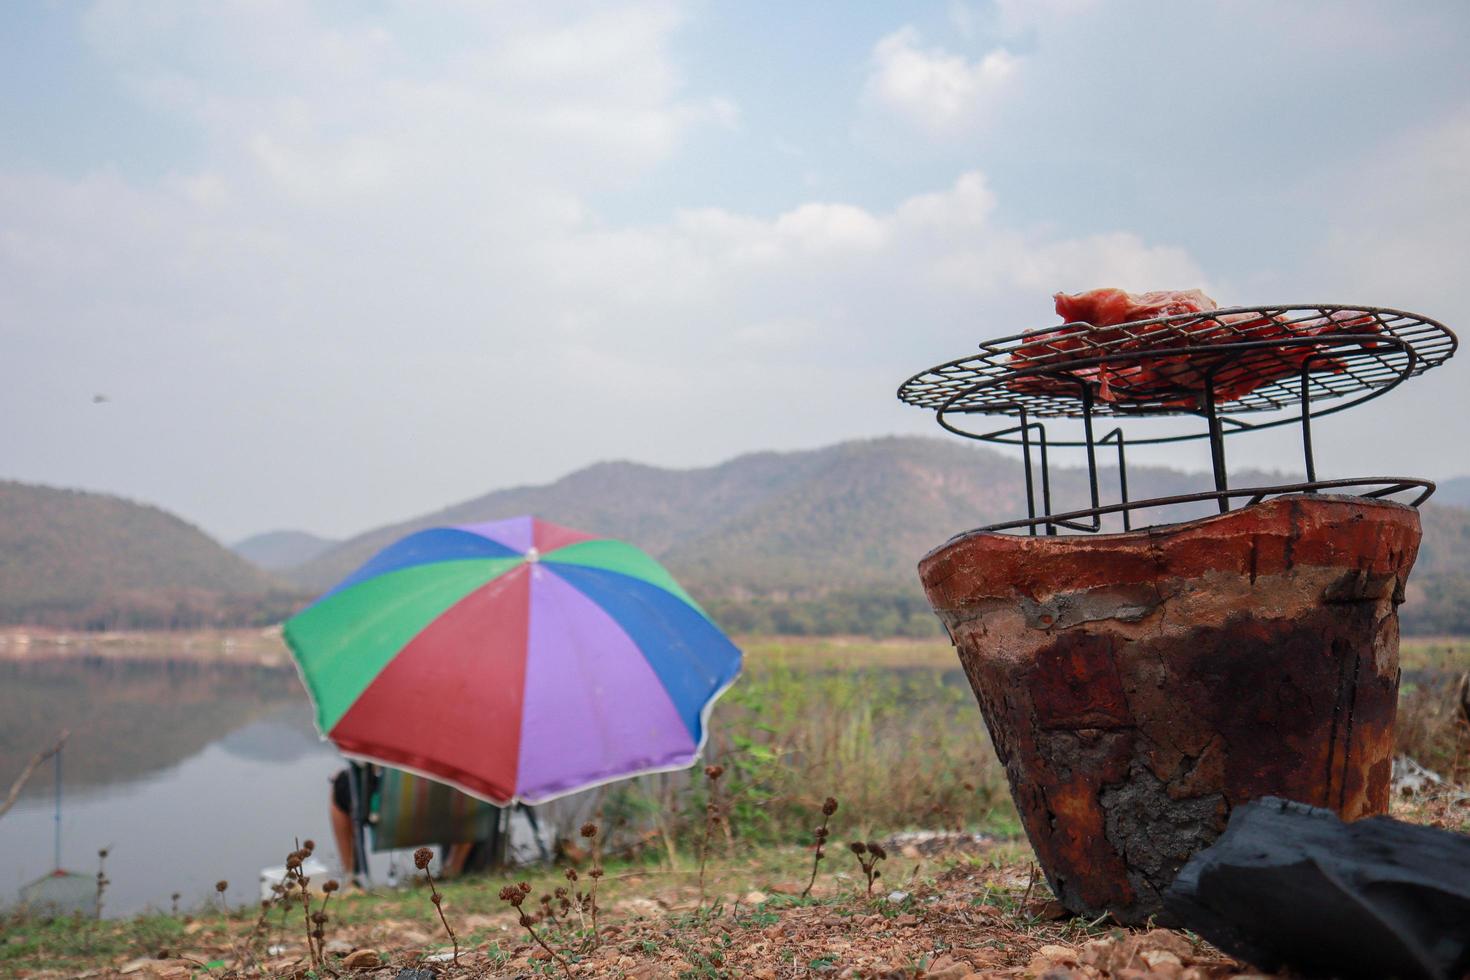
(1300, 361)
(1041, 373)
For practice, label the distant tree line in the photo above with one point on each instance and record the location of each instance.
(1440, 606)
(173, 609)
(873, 613)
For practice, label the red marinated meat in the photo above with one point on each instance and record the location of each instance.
(1175, 381)
(1110, 307)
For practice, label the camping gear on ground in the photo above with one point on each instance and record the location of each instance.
(1138, 685)
(312, 867)
(400, 811)
(405, 810)
(516, 660)
(1290, 886)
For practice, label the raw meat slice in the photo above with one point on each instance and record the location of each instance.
(1178, 380)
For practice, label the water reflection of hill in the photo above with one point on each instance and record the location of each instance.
(285, 735)
(131, 719)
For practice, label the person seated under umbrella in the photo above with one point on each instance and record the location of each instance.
(403, 811)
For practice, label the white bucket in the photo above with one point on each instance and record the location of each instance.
(312, 868)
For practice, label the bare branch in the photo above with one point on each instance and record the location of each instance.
(29, 770)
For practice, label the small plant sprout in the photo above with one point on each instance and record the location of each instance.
(516, 896)
(868, 856)
(102, 879)
(421, 859)
(829, 807)
(711, 817)
(262, 924)
(220, 887)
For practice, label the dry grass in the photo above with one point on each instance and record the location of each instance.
(887, 729)
(899, 747)
(1433, 729)
(1449, 654)
(950, 915)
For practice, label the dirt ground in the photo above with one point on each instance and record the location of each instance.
(985, 913)
(945, 906)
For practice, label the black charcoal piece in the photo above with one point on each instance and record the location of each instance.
(1291, 886)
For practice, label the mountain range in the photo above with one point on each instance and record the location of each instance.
(1454, 492)
(818, 540)
(277, 550)
(857, 515)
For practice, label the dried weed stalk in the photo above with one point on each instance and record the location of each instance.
(297, 879)
(868, 856)
(580, 899)
(224, 905)
(589, 831)
(711, 818)
(421, 859)
(828, 808)
(239, 952)
(516, 895)
(262, 922)
(320, 916)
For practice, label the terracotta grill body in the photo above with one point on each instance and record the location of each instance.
(1138, 685)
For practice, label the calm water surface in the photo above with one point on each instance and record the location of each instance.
(188, 773)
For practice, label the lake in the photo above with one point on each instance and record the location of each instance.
(193, 767)
(187, 772)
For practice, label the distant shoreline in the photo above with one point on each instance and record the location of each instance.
(265, 648)
(262, 648)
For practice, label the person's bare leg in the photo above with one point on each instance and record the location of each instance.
(455, 860)
(342, 831)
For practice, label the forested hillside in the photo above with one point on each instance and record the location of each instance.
(854, 515)
(1455, 492)
(827, 540)
(819, 541)
(89, 560)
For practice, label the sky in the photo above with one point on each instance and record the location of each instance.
(341, 263)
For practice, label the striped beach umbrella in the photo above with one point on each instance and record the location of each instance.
(516, 660)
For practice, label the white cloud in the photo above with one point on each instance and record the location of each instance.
(935, 89)
(389, 271)
(839, 271)
(965, 207)
(818, 228)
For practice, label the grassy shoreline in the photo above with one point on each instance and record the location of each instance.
(888, 727)
(266, 648)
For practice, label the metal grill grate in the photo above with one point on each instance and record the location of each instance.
(1042, 372)
(1299, 361)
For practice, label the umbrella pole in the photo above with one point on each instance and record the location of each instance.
(502, 837)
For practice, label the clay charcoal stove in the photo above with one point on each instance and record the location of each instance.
(1142, 668)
